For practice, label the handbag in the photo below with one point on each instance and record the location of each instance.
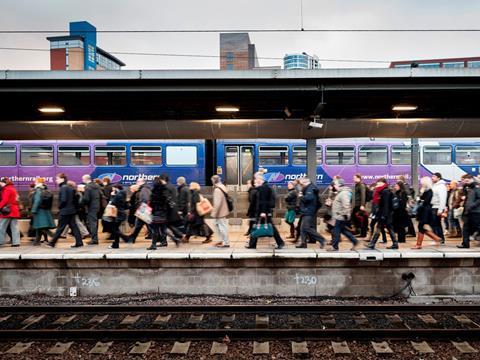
(144, 213)
(458, 212)
(204, 206)
(262, 230)
(5, 210)
(290, 216)
(110, 211)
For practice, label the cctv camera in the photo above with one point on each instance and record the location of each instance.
(316, 125)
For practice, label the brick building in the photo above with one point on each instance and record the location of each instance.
(237, 52)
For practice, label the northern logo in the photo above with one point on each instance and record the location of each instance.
(114, 177)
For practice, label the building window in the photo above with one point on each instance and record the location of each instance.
(36, 155)
(473, 64)
(110, 155)
(429, 65)
(146, 155)
(468, 155)
(401, 155)
(181, 155)
(91, 53)
(373, 155)
(340, 155)
(437, 155)
(272, 155)
(454, 64)
(398, 66)
(73, 155)
(8, 156)
(299, 155)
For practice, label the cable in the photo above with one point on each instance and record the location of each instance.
(164, 31)
(198, 55)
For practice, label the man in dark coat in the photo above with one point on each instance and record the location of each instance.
(142, 196)
(68, 210)
(92, 200)
(173, 219)
(309, 206)
(471, 212)
(384, 215)
(183, 199)
(265, 205)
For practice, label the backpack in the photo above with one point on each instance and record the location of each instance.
(46, 200)
(228, 199)
(368, 194)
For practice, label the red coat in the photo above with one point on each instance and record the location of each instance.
(9, 197)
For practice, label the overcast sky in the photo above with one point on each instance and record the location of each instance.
(240, 14)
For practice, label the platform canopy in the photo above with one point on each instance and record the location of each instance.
(171, 104)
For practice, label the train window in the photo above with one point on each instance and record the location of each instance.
(401, 155)
(340, 155)
(299, 155)
(8, 156)
(468, 155)
(372, 155)
(437, 155)
(73, 155)
(36, 155)
(146, 155)
(110, 155)
(272, 155)
(181, 155)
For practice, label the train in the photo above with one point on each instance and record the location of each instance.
(235, 160)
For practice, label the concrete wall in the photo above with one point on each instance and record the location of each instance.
(283, 277)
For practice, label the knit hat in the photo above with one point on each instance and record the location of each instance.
(339, 182)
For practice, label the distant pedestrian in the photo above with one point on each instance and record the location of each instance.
(400, 215)
(196, 224)
(141, 196)
(439, 205)
(291, 203)
(252, 205)
(309, 206)
(183, 200)
(359, 201)
(174, 220)
(118, 199)
(9, 211)
(92, 200)
(68, 210)
(42, 202)
(107, 227)
(220, 211)
(454, 201)
(471, 212)
(341, 211)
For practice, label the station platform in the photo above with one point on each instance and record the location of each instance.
(197, 268)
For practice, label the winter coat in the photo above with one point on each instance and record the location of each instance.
(400, 215)
(196, 219)
(119, 200)
(173, 210)
(472, 201)
(424, 214)
(385, 209)
(9, 197)
(160, 202)
(183, 199)
(341, 207)
(291, 199)
(439, 199)
(309, 201)
(252, 202)
(220, 206)
(265, 201)
(42, 218)
(92, 198)
(360, 195)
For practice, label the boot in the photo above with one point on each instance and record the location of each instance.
(371, 244)
(420, 237)
(186, 239)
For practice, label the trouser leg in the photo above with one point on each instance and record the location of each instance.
(437, 225)
(223, 230)
(92, 222)
(82, 229)
(76, 231)
(336, 234)
(138, 227)
(3, 229)
(15, 231)
(310, 231)
(63, 222)
(344, 230)
(392, 234)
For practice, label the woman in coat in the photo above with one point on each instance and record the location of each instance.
(400, 215)
(42, 220)
(291, 203)
(196, 223)
(161, 203)
(9, 211)
(107, 193)
(424, 213)
(119, 200)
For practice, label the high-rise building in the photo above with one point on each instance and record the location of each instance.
(237, 52)
(300, 61)
(465, 62)
(79, 50)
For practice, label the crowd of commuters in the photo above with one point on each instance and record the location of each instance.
(365, 212)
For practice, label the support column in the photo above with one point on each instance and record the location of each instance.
(415, 160)
(312, 160)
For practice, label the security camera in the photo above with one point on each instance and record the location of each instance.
(314, 124)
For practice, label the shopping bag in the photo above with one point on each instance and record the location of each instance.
(204, 206)
(110, 213)
(458, 212)
(144, 213)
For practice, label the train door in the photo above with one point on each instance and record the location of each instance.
(239, 162)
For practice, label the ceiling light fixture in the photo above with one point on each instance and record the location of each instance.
(404, 107)
(227, 109)
(51, 110)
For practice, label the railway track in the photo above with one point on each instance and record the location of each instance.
(241, 322)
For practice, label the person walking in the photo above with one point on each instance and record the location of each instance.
(42, 202)
(92, 201)
(9, 212)
(378, 187)
(252, 205)
(341, 211)
(400, 215)
(439, 204)
(265, 204)
(174, 220)
(80, 216)
(142, 196)
(183, 201)
(454, 202)
(424, 213)
(359, 201)
(471, 212)
(220, 211)
(309, 206)
(384, 215)
(119, 200)
(107, 193)
(291, 203)
(196, 223)
(161, 202)
(68, 210)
